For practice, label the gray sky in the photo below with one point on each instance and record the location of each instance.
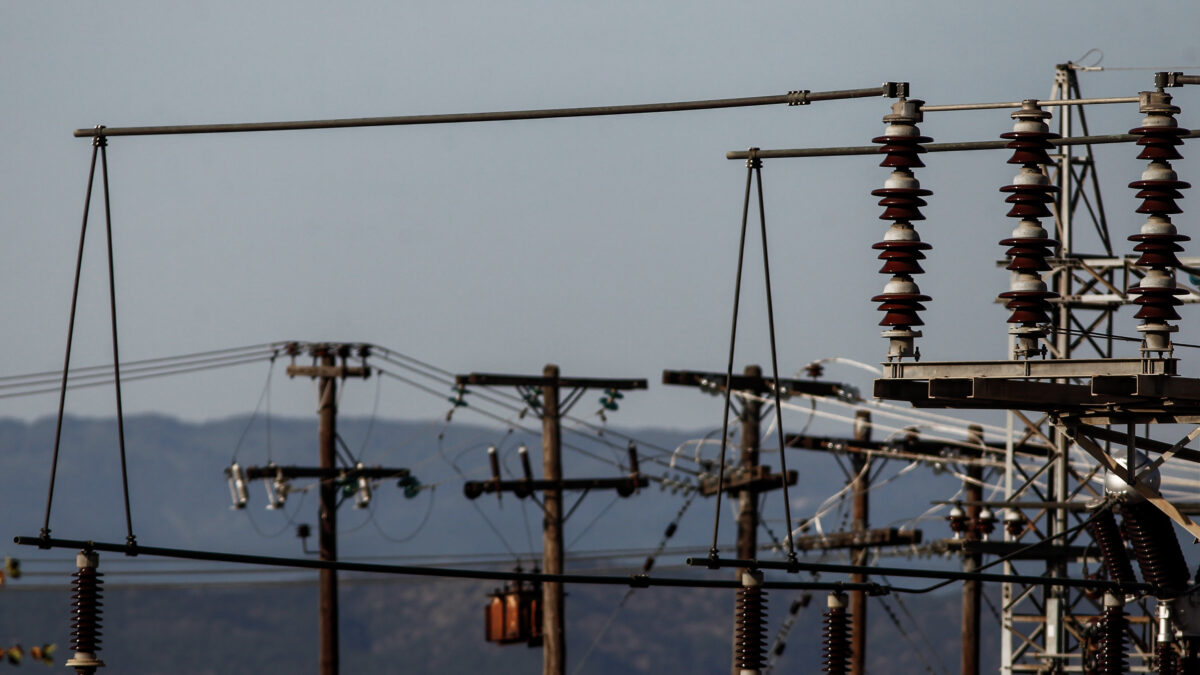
(605, 245)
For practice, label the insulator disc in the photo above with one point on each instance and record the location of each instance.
(835, 639)
(751, 625)
(1104, 531)
(1156, 548)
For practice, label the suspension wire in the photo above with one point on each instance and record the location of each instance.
(112, 299)
(737, 292)
(424, 520)
(261, 397)
(762, 219)
(594, 520)
(1106, 506)
(62, 397)
(509, 422)
(152, 372)
(201, 357)
(908, 638)
(374, 414)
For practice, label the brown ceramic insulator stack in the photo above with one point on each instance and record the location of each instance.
(1168, 658)
(1028, 298)
(835, 636)
(1104, 531)
(901, 248)
(751, 625)
(85, 614)
(1157, 242)
(1156, 548)
(1111, 658)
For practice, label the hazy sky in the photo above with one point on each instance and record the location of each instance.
(605, 245)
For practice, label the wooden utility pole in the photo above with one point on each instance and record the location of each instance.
(860, 514)
(747, 520)
(749, 479)
(327, 518)
(973, 492)
(327, 372)
(554, 645)
(554, 623)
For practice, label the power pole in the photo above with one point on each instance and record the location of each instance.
(747, 520)
(973, 491)
(553, 407)
(860, 510)
(750, 478)
(554, 626)
(327, 374)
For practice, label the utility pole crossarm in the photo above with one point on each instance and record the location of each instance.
(757, 384)
(339, 372)
(372, 472)
(523, 488)
(501, 380)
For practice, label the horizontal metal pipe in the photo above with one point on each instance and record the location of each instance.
(633, 580)
(908, 572)
(790, 98)
(1018, 104)
(932, 147)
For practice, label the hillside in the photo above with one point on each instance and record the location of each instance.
(182, 617)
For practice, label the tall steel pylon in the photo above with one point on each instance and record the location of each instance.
(1044, 629)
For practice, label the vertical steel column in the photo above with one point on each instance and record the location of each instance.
(860, 510)
(554, 650)
(1055, 631)
(971, 590)
(327, 539)
(747, 519)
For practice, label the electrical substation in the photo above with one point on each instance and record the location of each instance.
(1074, 513)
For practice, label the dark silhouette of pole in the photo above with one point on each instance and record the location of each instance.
(860, 511)
(973, 492)
(747, 518)
(327, 535)
(554, 650)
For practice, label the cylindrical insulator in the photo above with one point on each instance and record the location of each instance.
(85, 613)
(835, 636)
(1156, 548)
(901, 249)
(1111, 658)
(1158, 241)
(751, 623)
(1112, 549)
(1028, 298)
(1167, 657)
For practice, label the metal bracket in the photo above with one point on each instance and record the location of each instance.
(895, 90)
(799, 97)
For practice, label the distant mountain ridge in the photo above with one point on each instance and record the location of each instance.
(180, 499)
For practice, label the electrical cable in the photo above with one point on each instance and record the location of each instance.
(62, 398)
(904, 634)
(594, 520)
(737, 293)
(266, 388)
